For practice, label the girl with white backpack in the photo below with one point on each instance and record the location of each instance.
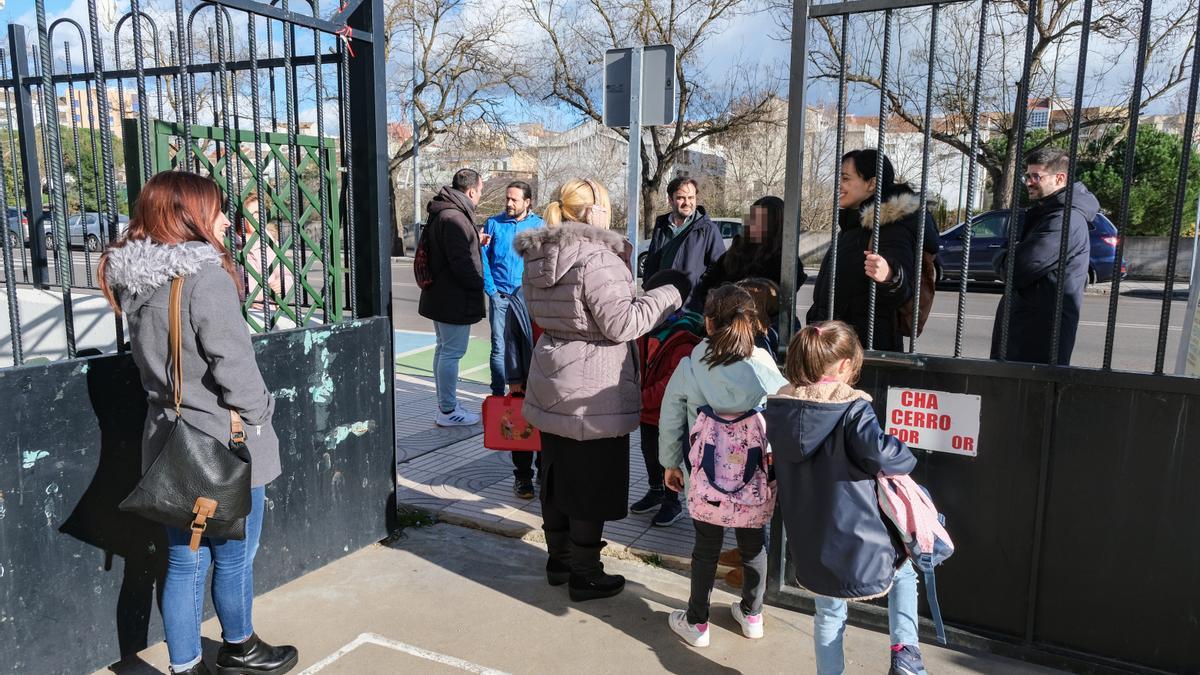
(717, 394)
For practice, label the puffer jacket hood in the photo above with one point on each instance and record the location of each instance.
(550, 252)
(895, 208)
(449, 198)
(141, 266)
(829, 448)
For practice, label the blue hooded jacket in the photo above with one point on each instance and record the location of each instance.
(502, 265)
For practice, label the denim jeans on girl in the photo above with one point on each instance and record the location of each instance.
(232, 586)
(829, 623)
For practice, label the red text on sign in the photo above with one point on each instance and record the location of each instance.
(964, 443)
(909, 436)
(919, 399)
(921, 420)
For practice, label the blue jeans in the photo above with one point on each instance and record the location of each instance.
(498, 312)
(829, 623)
(232, 586)
(451, 344)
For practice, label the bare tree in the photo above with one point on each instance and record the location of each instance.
(1057, 26)
(577, 32)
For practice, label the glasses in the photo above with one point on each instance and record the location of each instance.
(1037, 177)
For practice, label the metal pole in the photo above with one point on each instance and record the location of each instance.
(19, 52)
(794, 173)
(416, 153)
(635, 150)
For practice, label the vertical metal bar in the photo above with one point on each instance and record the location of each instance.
(294, 159)
(1064, 241)
(794, 168)
(139, 70)
(1021, 110)
(884, 111)
(416, 139)
(10, 281)
(1135, 106)
(272, 93)
(837, 172)
(82, 214)
(349, 212)
(228, 142)
(22, 214)
(264, 259)
(49, 104)
(322, 178)
(27, 133)
(634, 166)
(926, 143)
(1180, 198)
(972, 177)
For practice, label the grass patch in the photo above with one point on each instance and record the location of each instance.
(652, 559)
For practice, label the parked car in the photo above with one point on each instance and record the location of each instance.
(18, 225)
(730, 228)
(989, 238)
(88, 230)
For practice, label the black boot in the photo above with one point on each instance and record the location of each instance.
(198, 669)
(255, 657)
(558, 563)
(588, 580)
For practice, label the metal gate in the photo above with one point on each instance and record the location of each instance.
(276, 102)
(1077, 541)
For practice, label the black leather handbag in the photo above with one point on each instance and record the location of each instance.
(197, 482)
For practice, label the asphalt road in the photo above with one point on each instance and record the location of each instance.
(1134, 345)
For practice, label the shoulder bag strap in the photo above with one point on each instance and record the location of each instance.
(175, 341)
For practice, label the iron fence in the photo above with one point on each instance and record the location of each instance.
(255, 95)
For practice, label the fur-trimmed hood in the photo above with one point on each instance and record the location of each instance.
(549, 252)
(895, 208)
(141, 266)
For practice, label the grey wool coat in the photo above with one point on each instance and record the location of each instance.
(583, 379)
(219, 369)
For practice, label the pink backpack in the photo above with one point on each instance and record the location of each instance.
(909, 509)
(731, 485)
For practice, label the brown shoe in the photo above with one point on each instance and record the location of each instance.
(734, 578)
(731, 558)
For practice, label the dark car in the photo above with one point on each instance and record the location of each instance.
(989, 238)
(18, 226)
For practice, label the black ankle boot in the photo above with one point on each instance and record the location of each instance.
(255, 657)
(198, 669)
(588, 580)
(558, 567)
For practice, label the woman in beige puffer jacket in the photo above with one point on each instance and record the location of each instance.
(583, 393)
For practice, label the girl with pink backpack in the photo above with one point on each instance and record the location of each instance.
(712, 409)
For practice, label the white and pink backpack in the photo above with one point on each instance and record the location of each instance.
(731, 482)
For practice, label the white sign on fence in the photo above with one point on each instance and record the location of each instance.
(934, 420)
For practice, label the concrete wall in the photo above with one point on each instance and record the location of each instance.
(1147, 258)
(43, 329)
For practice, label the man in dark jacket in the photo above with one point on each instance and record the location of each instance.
(1036, 262)
(684, 239)
(454, 300)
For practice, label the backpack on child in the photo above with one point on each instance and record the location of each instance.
(907, 507)
(731, 482)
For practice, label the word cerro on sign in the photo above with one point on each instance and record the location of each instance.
(934, 420)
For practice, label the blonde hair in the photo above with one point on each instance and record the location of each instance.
(577, 201)
(817, 348)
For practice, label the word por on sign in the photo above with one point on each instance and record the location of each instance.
(934, 420)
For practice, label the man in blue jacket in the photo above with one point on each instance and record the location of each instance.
(503, 267)
(1036, 262)
(684, 239)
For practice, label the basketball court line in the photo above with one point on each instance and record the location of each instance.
(403, 647)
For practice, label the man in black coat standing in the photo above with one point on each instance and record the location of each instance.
(1036, 262)
(454, 300)
(684, 239)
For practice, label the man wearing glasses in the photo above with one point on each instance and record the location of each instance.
(1036, 262)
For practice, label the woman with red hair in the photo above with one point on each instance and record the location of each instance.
(177, 230)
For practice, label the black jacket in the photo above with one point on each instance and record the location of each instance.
(899, 230)
(456, 295)
(518, 339)
(719, 273)
(701, 247)
(1035, 278)
(829, 448)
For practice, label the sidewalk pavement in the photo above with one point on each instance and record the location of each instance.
(445, 599)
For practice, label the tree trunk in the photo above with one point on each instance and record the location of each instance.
(650, 189)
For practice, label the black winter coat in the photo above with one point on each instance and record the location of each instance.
(456, 295)
(1035, 278)
(829, 449)
(719, 273)
(898, 236)
(518, 339)
(702, 246)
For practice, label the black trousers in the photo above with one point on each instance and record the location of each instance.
(751, 544)
(582, 532)
(654, 470)
(523, 463)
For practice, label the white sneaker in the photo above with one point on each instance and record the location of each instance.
(752, 626)
(458, 418)
(696, 636)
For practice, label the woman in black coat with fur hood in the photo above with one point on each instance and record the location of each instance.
(893, 270)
